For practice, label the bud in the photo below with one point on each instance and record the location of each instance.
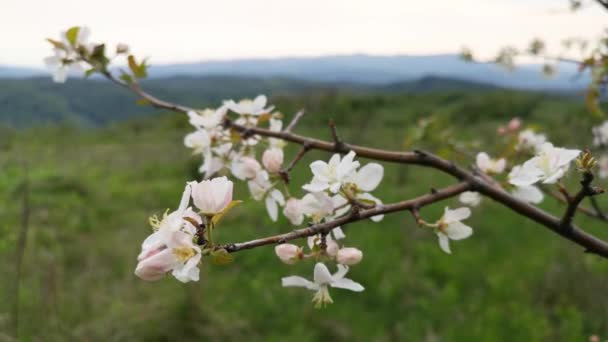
(585, 162)
(288, 253)
(332, 248)
(501, 130)
(293, 211)
(122, 48)
(349, 256)
(273, 159)
(514, 125)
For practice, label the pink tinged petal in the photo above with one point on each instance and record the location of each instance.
(444, 243)
(278, 197)
(322, 274)
(189, 271)
(156, 266)
(368, 177)
(458, 231)
(347, 284)
(272, 208)
(500, 165)
(295, 281)
(456, 215)
(483, 161)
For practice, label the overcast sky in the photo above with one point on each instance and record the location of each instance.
(195, 30)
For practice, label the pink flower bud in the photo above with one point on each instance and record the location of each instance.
(273, 159)
(154, 264)
(501, 130)
(212, 196)
(514, 125)
(293, 211)
(349, 256)
(288, 253)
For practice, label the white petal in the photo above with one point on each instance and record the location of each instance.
(444, 243)
(315, 186)
(531, 194)
(295, 281)
(456, 214)
(369, 176)
(321, 274)
(278, 196)
(458, 231)
(347, 284)
(338, 233)
(272, 208)
(318, 169)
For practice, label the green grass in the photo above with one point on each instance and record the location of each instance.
(93, 190)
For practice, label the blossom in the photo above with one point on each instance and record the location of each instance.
(249, 107)
(245, 168)
(276, 126)
(214, 159)
(198, 140)
(261, 188)
(548, 166)
(333, 174)
(368, 177)
(527, 139)
(349, 256)
(470, 198)
(288, 253)
(449, 227)
(273, 159)
(323, 279)
(600, 134)
(171, 246)
(317, 206)
(61, 65)
(212, 196)
(293, 211)
(514, 125)
(207, 118)
(489, 165)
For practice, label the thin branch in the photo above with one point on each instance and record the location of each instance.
(284, 173)
(586, 191)
(591, 243)
(339, 145)
(595, 213)
(353, 216)
(599, 213)
(295, 120)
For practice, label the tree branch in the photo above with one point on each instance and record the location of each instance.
(591, 243)
(295, 120)
(353, 216)
(573, 202)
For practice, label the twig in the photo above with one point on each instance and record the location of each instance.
(598, 211)
(326, 227)
(586, 191)
(339, 145)
(295, 120)
(284, 173)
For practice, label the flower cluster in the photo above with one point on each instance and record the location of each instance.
(67, 53)
(174, 244)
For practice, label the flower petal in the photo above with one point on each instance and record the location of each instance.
(272, 208)
(322, 274)
(347, 284)
(296, 281)
(369, 176)
(458, 231)
(444, 243)
(456, 215)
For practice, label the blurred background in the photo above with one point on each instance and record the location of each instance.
(82, 167)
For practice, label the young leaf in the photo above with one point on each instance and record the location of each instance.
(217, 217)
(72, 34)
(221, 257)
(56, 44)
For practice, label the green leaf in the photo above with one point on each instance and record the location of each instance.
(142, 102)
(126, 77)
(221, 257)
(138, 70)
(72, 34)
(217, 217)
(89, 72)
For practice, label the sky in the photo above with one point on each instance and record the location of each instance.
(195, 30)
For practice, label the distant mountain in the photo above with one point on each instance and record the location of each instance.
(35, 101)
(17, 72)
(365, 69)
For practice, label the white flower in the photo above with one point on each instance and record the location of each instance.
(368, 177)
(61, 65)
(214, 159)
(530, 193)
(249, 107)
(333, 174)
(273, 159)
(208, 118)
(276, 126)
(489, 165)
(245, 168)
(288, 253)
(212, 196)
(527, 139)
(323, 279)
(199, 141)
(449, 227)
(262, 188)
(548, 166)
(349, 256)
(600, 134)
(317, 206)
(470, 198)
(293, 211)
(369, 197)
(171, 246)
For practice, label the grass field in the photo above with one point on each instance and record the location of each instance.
(93, 190)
